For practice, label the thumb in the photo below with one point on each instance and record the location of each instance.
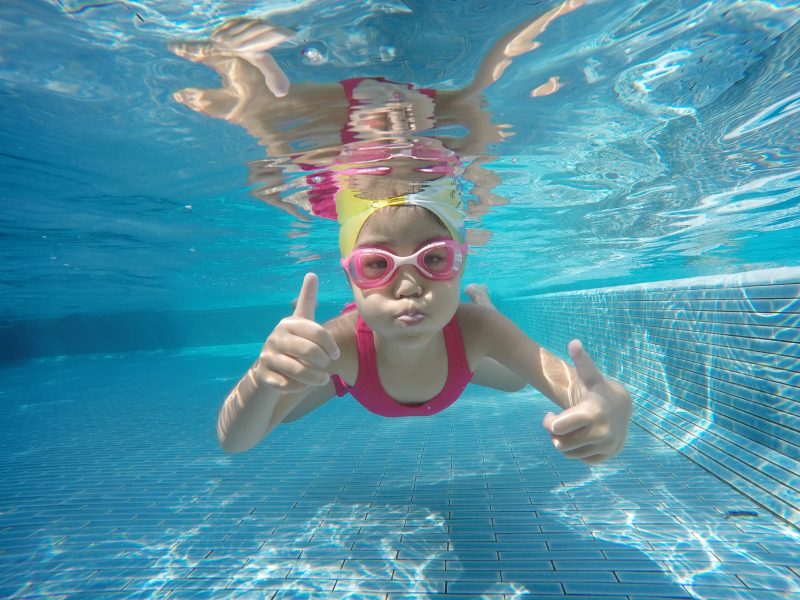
(587, 373)
(274, 76)
(307, 301)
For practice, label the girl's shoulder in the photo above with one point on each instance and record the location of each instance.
(471, 315)
(476, 324)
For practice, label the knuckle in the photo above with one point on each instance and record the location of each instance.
(274, 341)
(283, 324)
(316, 355)
(275, 381)
(293, 369)
(267, 361)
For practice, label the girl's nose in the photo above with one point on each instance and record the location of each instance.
(407, 282)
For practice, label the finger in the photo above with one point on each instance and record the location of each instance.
(247, 35)
(570, 420)
(588, 374)
(193, 51)
(285, 384)
(226, 34)
(548, 421)
(583, 452)
(570, 443)
(596, 459)
(274, 76)
(307, 300)
(259, 37)
(190, 97)
(313, 332)
(304, 349)
(296, 370)
(581, 439)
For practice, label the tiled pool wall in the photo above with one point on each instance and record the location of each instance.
(713, 365)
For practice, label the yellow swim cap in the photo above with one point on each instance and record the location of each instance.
(353, 211)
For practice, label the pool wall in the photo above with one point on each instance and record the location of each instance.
(712, 364)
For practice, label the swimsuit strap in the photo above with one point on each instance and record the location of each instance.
(340, 385)
(457, 363)
(367, 364)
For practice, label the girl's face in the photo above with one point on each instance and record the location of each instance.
(411, 307)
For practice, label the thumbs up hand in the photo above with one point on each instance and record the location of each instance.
(595, 426)
(299, 350)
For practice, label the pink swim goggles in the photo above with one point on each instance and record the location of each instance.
(375, 267)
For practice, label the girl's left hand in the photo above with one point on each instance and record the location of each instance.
(594, 428)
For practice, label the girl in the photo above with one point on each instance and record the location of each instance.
(408, 346)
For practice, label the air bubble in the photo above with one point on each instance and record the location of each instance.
(314, 56)
(388, 53)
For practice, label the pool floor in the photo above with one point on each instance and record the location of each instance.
(112, 485)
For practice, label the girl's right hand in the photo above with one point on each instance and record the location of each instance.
(299, 350)
(250, 40)
(244, 38)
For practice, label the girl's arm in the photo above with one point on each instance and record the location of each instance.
(464, 106)
(596, 411)
(516, 42)
(294, 363)
(500, 339)
(251, 412)
(491, 374)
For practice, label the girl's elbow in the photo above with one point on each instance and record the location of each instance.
(226, 444)
(231, 444)
(231, 447)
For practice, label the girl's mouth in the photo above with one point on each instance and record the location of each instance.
(410, 317)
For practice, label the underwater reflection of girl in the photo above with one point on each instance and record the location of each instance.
(376, 136)
(366, 134)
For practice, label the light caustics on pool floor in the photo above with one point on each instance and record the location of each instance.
(116, 486)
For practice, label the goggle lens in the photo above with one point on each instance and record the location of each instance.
(372, 266)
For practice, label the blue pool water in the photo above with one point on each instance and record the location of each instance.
(643, 197)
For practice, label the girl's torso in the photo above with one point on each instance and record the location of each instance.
(412, 385)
